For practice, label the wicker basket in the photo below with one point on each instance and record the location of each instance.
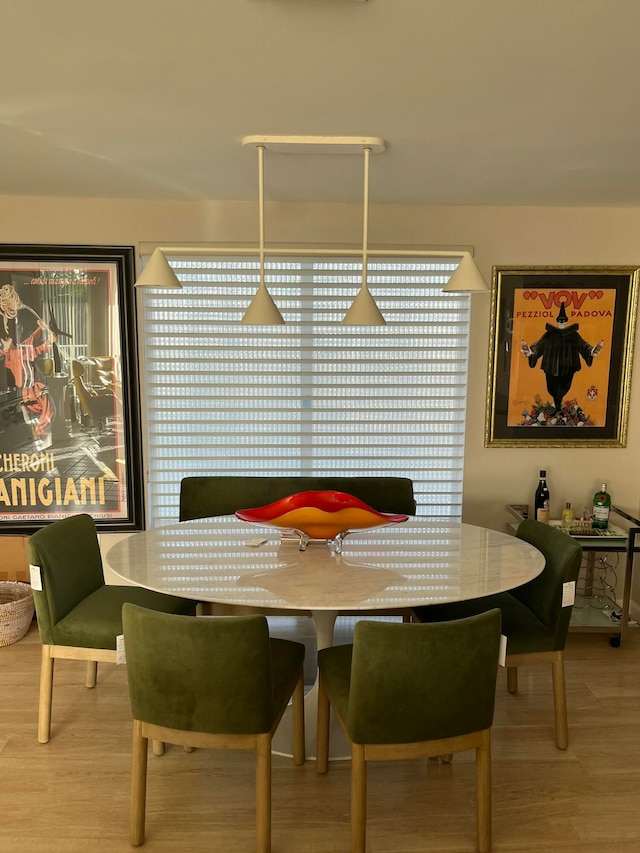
(16, 611)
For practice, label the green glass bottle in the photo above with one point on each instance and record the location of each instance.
(601, 508)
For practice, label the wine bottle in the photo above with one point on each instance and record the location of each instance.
(541, 500)
(601, 508)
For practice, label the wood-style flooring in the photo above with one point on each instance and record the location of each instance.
(72, 794)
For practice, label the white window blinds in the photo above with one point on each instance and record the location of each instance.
(312, 396)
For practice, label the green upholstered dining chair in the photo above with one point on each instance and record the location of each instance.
(535, 616)
(78, 615)
(404, 691)
(205, 496)
(217, 683)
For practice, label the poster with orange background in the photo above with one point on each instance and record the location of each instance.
(590, 312)
(560, 355)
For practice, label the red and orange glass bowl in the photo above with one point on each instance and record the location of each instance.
(319, 515)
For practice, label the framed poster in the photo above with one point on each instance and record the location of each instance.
(70, 437)
(560, 356)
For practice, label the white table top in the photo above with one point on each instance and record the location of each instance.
(395, 566)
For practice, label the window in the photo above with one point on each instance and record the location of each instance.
(312, 396)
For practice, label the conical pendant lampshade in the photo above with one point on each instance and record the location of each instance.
(467, 278)
(263, 310)
(364, 311)
(158, 273)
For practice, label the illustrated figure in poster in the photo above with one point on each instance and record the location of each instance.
(35, 396)
(561, 347)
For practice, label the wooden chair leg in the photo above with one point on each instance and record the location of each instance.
(358, 799)
(263, 794)
(560, 701)
(297, 714)
(483, 793)
(92, 673)
(158, 747)
(138, 786)
(46, 695)
(322, 738)
(512, 679)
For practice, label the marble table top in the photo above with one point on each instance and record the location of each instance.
(414, 563)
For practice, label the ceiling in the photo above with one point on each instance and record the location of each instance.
(492, 102)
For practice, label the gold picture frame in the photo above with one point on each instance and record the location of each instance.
(560, 355)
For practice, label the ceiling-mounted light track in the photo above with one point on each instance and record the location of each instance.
(317, 144)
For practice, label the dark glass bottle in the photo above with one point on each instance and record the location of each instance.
(541, 500)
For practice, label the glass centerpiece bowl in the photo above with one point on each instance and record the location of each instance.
(325, 515)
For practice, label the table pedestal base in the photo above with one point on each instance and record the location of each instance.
(282, 742)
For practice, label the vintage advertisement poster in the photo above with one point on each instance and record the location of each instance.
(561, 355)
(69, 425)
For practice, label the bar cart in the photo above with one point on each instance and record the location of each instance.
(614, 619)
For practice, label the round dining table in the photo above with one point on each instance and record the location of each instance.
(394, 566)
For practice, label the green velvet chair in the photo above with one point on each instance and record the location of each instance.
(534, 619)
(201, 497)
(217, 683)
(79, 616)
(406, 691)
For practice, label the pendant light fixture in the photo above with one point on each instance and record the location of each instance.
(467, 278)
(262, 310)
(364, 311)
(158, 273)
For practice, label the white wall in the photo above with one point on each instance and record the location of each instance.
(501, 236)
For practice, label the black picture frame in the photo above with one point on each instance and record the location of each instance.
(585, 403)
(70, 430)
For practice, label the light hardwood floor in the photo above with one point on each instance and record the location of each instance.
(71, 795)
